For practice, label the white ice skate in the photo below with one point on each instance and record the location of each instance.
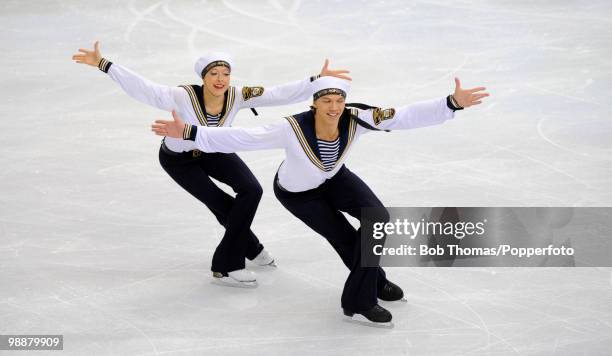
(240, 278)
(264, 259)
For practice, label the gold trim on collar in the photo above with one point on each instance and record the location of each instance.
(196, 104)
(352, 129)
(304, 143)
(229, 104)
(308, 150)
(197, 108)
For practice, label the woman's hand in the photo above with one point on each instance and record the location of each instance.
(338, 73)
(171, 128)
(91, 58)
(468, 97)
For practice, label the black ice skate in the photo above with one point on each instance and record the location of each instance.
(376, 317)
(391, 293)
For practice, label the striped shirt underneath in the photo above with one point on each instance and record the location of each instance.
(213, 120)
(329, 152)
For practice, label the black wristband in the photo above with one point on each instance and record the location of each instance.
(190, 132)
(104, 65)
(315, 77)
(452, 103)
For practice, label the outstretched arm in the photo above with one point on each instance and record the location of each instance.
(424, 113)
(224, 139)
(287, 93)
(160, 96)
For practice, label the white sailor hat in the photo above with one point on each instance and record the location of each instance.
(330, 85)
(204, 64)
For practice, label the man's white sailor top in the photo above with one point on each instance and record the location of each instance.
(302, 168)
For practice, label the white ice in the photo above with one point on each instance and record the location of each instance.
(97, 243)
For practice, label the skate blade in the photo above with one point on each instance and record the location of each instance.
(403, 300)
(230, 282)
(363, 321)
(271, 264)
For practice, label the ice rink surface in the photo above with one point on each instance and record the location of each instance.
(98, 244)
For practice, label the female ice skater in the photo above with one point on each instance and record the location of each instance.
(314, 184)
(213, 104)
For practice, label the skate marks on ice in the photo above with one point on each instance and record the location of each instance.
(103, 267)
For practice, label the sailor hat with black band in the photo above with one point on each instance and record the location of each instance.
(330, 85)
(204, 64)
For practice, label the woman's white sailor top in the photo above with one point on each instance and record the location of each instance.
(188, 102)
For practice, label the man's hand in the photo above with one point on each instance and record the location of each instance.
(91, 58)
(468, 97)
(169, 128)
(338, 73)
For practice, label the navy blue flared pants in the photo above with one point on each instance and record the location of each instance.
(193, 171)
(321, 209)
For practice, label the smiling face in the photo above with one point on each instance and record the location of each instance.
(216, 80)
(329, 107)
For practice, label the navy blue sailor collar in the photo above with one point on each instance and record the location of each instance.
(303, 125)
(196, 95)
